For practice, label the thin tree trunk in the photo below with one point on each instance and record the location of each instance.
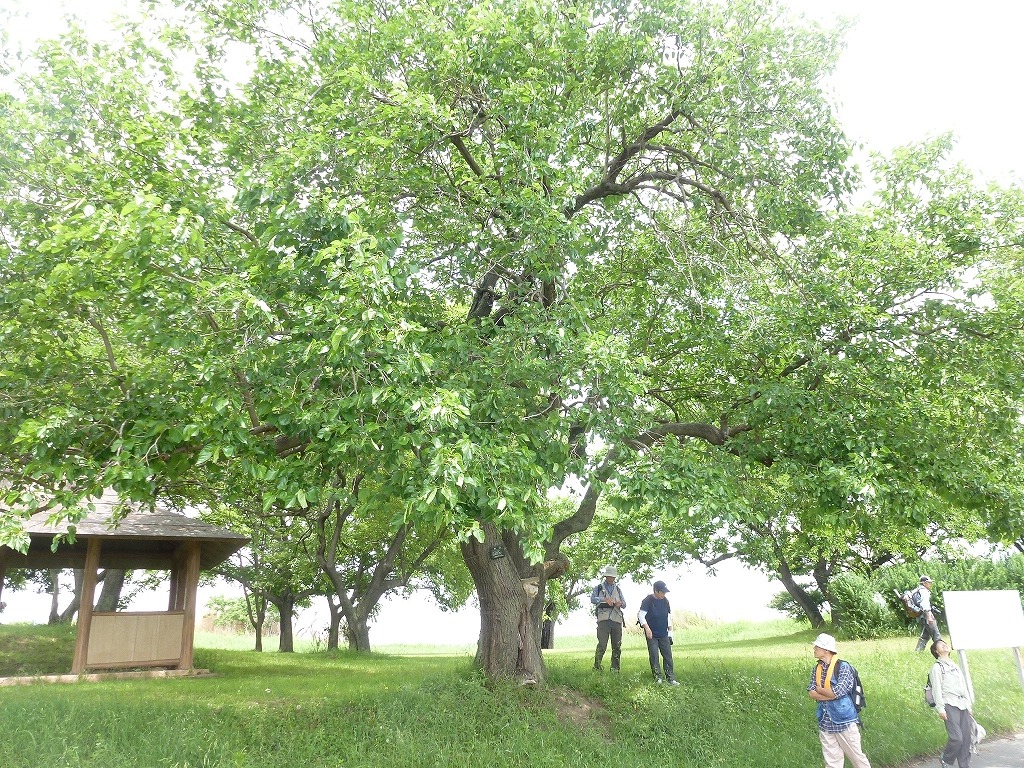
(55, 597)
(76, 599)
(822, 577)
(256, 607)
(334, 632)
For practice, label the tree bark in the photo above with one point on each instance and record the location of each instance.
(357, 631)
(797, 592)
(285, 605)
(823, 578)
(256, 606)
(334, 631)
(110, 595)
(511, 608)
(547, 633)
(76, 598)
(55, 597)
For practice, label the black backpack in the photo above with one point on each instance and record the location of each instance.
(857, 692)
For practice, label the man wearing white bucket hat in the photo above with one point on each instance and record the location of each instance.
(831, 686)
(608, 604)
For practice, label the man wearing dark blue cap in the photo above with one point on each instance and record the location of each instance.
(655, 617)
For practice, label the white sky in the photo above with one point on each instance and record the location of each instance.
(735, 593)
(917, 68)
(912, 69)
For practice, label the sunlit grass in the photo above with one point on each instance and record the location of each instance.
(32, 649)
(741, 703)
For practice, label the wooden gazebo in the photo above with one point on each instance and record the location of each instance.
(159, 540)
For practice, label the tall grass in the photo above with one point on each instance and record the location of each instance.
(741, 703)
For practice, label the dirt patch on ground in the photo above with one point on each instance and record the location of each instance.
(580, 710)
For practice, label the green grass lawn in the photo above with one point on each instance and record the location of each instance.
(741, 703)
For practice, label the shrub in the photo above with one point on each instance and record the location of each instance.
(964, 574)
(859, 611)
(784, 602)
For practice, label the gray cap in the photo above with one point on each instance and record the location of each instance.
(925, 580)
(610, 571)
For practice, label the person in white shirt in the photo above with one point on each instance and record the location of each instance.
(953, 703)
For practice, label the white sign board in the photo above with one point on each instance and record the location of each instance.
(985, 619)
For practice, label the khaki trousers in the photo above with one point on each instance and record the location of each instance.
(835, 747)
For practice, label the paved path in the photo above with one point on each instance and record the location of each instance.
(992, 753)
(1000, 753)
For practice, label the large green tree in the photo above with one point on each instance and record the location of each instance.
(473, 250)
(274, 568)
(365, 554)
(900, 393)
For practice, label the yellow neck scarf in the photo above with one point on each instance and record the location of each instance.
(828, 673)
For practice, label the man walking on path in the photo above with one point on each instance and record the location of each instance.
(922, 597)
(608, 601)
(838, 724)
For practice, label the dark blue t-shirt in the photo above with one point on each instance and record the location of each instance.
(657, 615)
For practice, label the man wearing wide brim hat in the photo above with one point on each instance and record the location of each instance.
(608, 603)
(838, 723)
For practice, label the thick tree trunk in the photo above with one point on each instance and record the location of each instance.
(110, 595)
(797, 592)
(547, 634)
(286, 610)
(357, 632)
(511, 602)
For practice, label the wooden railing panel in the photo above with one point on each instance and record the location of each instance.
(135, 639)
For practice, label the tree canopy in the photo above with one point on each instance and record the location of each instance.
(473, 251)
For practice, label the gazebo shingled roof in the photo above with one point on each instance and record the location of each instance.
(142, 539)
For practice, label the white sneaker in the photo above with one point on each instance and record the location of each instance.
(673, 682)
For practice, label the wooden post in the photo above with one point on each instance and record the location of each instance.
(85, 605)
(190, 586)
